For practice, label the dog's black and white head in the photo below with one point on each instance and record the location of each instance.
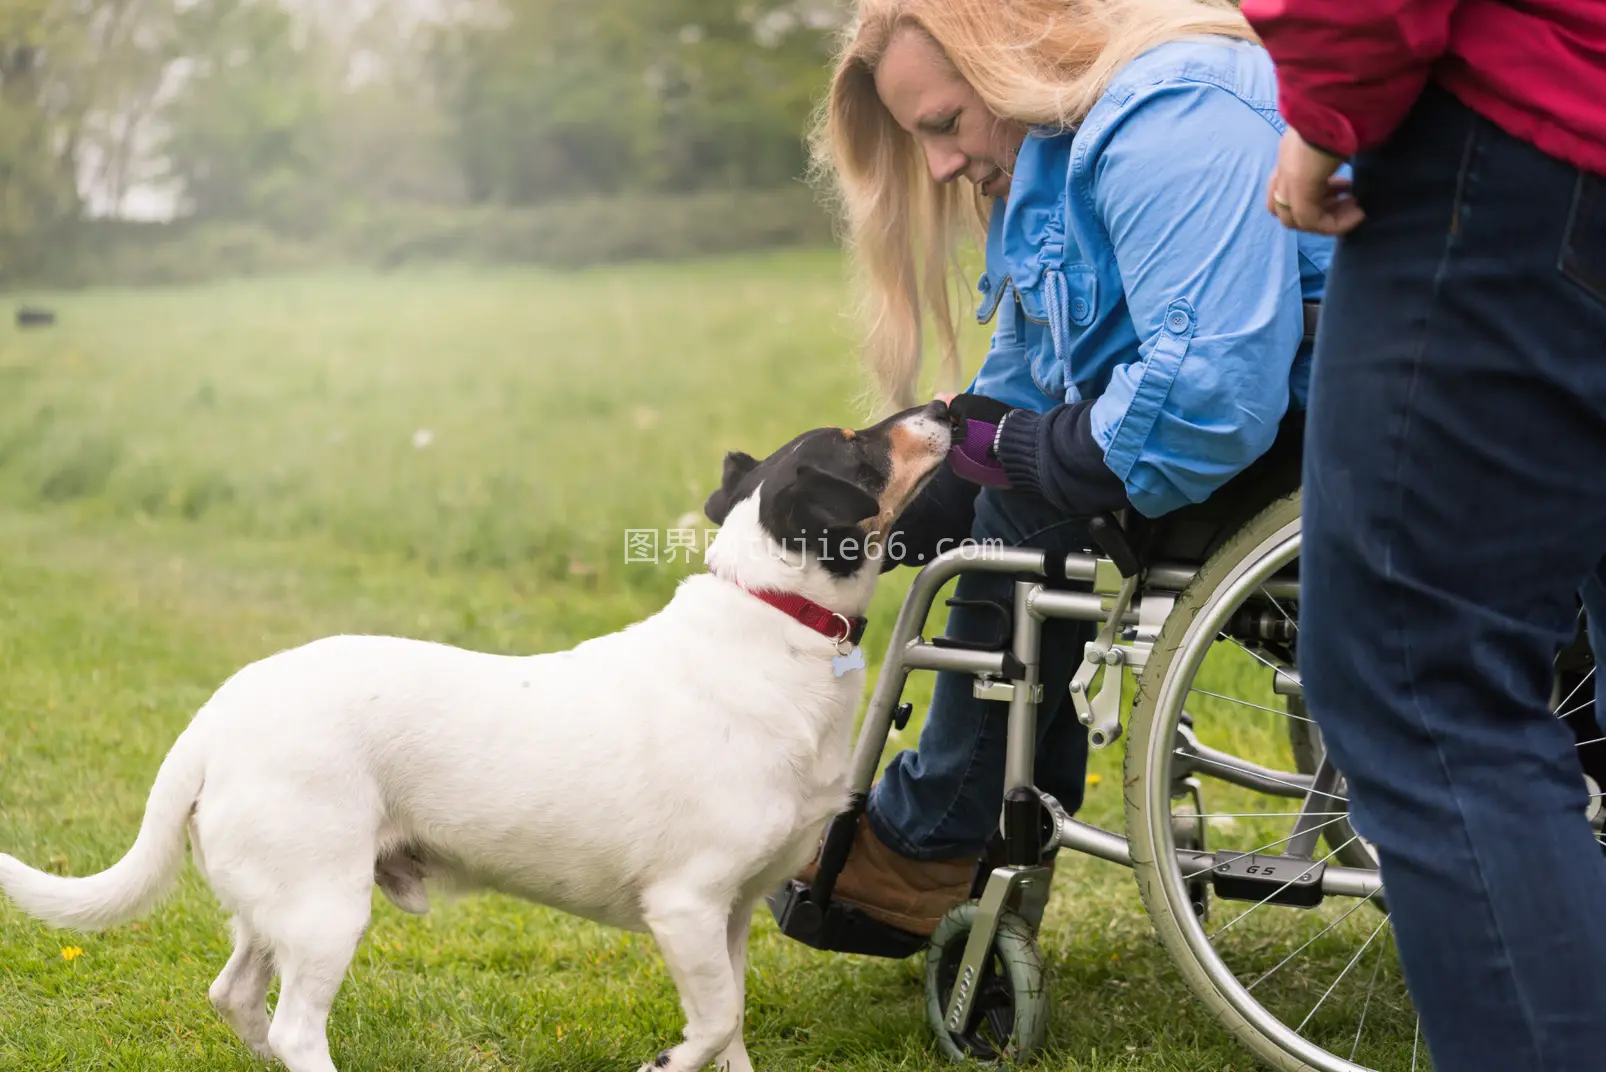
(813, 515)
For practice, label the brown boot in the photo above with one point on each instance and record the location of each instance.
(911, 895)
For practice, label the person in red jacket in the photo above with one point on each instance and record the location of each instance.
(1455, 484)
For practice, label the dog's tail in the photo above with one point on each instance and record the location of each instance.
(133, 885)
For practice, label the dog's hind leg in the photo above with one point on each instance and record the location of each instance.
(692, 933)
(315, 932)
(240, 993)
(734, 1057)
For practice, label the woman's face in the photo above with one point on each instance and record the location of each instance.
(959, 135)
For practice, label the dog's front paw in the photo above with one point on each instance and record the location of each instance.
(660, 1062)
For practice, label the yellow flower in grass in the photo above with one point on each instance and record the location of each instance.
(72, 952)
(1094, 779)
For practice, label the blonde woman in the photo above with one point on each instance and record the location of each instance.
(1149, 338)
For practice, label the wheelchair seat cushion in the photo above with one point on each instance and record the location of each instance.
(1192, 534)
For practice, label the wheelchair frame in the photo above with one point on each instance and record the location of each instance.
(1132, 604)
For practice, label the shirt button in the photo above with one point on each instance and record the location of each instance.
(1079, 308)
(1177, 321)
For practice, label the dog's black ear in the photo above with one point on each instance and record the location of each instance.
(737, 466)
(831, 501)
(820, 514)
(816, 502)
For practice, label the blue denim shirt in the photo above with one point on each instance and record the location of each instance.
(1138, 278)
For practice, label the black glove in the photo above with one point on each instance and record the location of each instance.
(978, 408)
(972, 454)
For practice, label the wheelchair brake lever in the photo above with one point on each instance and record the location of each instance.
(1110, 536)
(1101, 714)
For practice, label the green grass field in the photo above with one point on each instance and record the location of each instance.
(191, 479)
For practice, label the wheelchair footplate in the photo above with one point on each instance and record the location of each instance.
(1292, 881)
(840, 928)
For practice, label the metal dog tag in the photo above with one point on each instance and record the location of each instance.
(853, 660)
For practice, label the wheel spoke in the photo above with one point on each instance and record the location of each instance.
(1574, 710)
(1582, 682)
(1352, 962)
(1289, 618)
(1257, 707)
(1259, 658)
(1356, 907)
(1260, 814)
(1370, 989)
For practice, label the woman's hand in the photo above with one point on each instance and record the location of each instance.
(1305, 194)
(972, 454)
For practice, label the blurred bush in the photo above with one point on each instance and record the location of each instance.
(592, 231)
(628, 227)
(275, 134)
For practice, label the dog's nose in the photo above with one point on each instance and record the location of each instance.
(939, 410)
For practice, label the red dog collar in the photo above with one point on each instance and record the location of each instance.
(828, 623)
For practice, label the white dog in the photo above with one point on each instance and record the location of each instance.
(662, 778)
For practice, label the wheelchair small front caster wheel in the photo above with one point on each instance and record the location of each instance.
(1009, 1016)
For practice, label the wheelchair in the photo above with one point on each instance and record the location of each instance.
(1267, 902)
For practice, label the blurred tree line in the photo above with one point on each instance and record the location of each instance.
(294, 115)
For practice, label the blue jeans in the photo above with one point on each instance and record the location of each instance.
(1455, 503)
(944, 800)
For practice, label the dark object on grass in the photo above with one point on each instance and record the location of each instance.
(31, 316)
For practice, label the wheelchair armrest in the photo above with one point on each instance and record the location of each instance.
(1109, 536)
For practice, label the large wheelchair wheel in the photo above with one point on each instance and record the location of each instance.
(1305, 981)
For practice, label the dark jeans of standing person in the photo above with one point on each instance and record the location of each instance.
(1455, 503)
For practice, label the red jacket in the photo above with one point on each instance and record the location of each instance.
(1349, 70)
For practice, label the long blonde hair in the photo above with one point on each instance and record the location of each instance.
(1042, 63)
